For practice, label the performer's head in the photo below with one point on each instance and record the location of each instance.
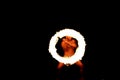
(66, 43)
(69, 43)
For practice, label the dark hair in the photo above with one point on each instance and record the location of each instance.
(59, 47)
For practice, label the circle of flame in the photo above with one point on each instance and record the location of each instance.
(79, 51)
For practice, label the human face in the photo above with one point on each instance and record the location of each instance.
(68, 42)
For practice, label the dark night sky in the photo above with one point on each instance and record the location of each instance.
(29, 30)
(91, 29)
(35, 39)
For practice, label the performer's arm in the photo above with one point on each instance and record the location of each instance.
(71, 43)
(60, 65)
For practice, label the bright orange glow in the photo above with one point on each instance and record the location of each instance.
(79, 51)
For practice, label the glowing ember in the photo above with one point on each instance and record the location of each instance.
(79, 51)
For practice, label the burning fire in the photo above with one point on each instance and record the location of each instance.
(79, 51)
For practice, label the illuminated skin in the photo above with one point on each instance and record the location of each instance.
(55, 43)
(69, 46)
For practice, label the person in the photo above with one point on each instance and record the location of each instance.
(69, 46)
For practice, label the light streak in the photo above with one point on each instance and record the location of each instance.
(79, 51)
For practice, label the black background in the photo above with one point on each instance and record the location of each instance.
(36, 61)
(34, 33)
(28, 29)
(92, 28)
